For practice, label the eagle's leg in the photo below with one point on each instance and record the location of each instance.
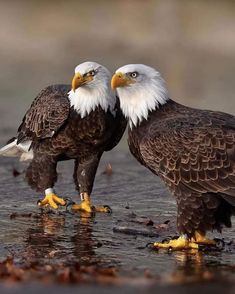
(41, 175)
(84, 175)
(51, 199)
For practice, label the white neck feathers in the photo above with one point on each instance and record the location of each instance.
(138, 100)
(85, 100)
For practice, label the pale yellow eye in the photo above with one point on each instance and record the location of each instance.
(134, 74)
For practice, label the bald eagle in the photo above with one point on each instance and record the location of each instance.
(191, 150)
(64, 122)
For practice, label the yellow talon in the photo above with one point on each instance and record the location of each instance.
(86, 206)
(184, 243)
(177, 244)
(51, 200)
(105, 209)
(83, 206)
(201, 239)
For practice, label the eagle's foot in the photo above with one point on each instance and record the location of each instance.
(85, 206)
(181, 243)
(201, 239)
(104, 208)
(51, 200)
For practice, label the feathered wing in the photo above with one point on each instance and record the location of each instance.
(195, 157)
(47, 114)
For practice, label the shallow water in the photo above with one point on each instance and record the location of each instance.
(65, 237)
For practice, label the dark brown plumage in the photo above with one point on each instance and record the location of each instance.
(58, 132)
(65, 122)
(193, 152)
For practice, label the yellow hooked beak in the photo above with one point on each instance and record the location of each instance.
(120, 80)
(79, 80)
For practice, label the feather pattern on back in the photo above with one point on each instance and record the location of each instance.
(193, 151)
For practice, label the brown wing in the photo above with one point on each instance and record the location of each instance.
(195, 156)
(47, 114)
(195, 153)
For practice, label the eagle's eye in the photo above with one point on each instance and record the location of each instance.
(91, 73)
(134, 74)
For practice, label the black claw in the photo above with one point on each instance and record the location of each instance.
(68, 202)
(68, 199)
(167, 240)
(39, 204)
(218, 246)
(150, 245)
(219, 243)
(175, 237)
(108, 208)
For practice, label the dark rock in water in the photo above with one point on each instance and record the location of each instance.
(135, 232)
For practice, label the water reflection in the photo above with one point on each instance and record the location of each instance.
(42, 237)
(199, 266)
(83, 242)
(53, 236)
(191, 265)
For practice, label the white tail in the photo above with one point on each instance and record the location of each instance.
(17, 150)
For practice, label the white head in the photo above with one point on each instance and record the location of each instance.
(91, 88)
(141, 89)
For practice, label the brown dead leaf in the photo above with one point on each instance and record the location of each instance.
(23, 215)
(108, 170)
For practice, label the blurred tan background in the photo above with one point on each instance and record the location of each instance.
(192, 43)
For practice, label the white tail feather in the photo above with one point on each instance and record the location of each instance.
(17, 150)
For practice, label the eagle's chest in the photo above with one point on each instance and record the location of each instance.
(92, 129)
